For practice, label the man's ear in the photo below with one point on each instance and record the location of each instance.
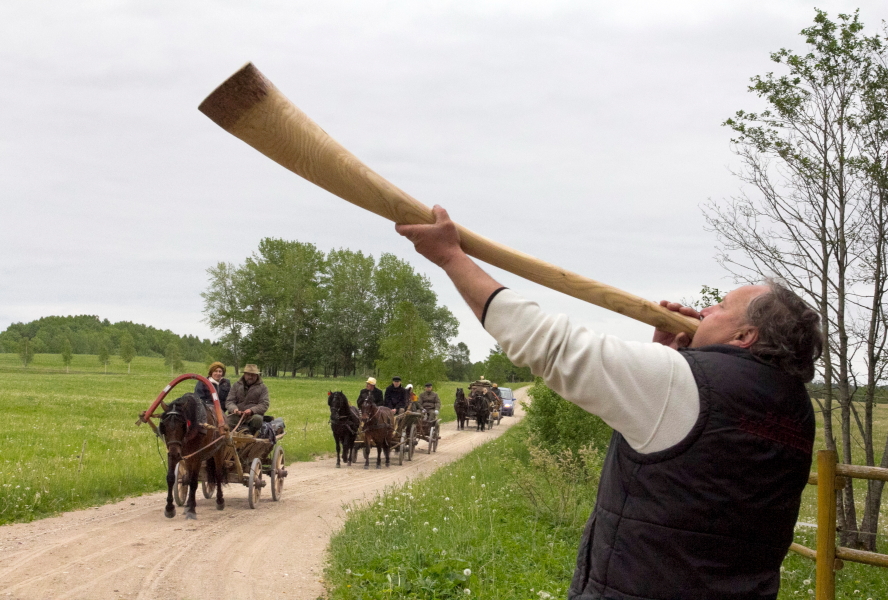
(745, 337)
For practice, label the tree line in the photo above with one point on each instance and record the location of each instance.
(88, 334)
(292, 308)
(814, 212)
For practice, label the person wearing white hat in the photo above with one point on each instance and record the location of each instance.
(370, 391)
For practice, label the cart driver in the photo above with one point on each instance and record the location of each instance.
(247, 401)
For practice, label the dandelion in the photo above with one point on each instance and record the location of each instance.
(445, 499)
(467, 591)
(348, 571)
(483, 485)
(473, 476)
(434, 530)
(467, 572)
(544, 595)
(806, 582)
(426, 523)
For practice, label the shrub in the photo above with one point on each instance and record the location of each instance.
(558, 425)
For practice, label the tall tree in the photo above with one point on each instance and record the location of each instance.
(67, 354)
(127, 349)
(458, 362)
(26, 351)
(104, 354)
(224, 307)
(173, 358)
(409, 348)
(814, 218)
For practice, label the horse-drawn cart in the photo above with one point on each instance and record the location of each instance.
(196, 437)
(248, 461)
(409, 428)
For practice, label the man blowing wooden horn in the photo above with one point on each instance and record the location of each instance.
(713, 435)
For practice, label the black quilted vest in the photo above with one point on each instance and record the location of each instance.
(712, 517)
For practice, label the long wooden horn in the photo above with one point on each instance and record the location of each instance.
(249, 107)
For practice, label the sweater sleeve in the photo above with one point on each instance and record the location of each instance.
(645, 391)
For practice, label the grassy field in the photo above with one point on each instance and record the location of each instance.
(69, 439)
(421, 540)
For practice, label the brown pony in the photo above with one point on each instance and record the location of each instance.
(379, 423)
(461, 407)
(344, 422)
(188, 440)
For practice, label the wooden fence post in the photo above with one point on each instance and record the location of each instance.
(826, 526)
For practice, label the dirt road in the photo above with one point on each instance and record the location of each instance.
(129, 550)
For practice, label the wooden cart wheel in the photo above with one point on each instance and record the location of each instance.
(180, 487)
(209, 489)
(277, 468)
(411, 442)
(401, 449)
(254, 484)
(431, 438)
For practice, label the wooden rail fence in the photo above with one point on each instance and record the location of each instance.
(829, 478)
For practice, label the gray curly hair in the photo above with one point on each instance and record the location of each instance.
(789, 331)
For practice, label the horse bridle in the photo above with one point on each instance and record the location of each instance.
(174, 413)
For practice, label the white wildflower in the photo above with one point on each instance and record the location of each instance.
(467, 591)
(473, 476)
(434, 530)
(426, 523)
(467, 572)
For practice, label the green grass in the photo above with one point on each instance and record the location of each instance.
(465, 527)
(50, 416)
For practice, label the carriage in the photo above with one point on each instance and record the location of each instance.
(494, 416)
(409, 428)
(247, 459)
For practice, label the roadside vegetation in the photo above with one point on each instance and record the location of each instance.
(70, 439)
(504, 522)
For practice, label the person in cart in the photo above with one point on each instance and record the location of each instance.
(222, 386)
(370, 391)
(396, 397)
(430, 402)
(248, 401)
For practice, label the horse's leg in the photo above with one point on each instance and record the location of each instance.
(388, 450)
(336, 437)
(349, 445)
(170, 510)
(216, 467)
(191, 506)
(378, 456)
(366, 451)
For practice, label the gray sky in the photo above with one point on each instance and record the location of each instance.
(585, 133)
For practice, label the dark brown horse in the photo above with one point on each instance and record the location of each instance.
(481, 404)
(189, 441)
(379, 423)
(344, 421)
(461, 407)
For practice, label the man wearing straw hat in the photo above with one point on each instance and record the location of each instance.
(702, 483)
(370, 391)
(248, 400)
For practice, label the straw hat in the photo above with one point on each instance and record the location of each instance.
(251, 368)
(371, 380)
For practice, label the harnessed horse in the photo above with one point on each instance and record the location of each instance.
(344, 422)
(461, 408)
(379, 423)
(189, 441)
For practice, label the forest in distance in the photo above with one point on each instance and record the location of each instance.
(293, 310)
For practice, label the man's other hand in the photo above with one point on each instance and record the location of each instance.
(438, 242)
(675, 341)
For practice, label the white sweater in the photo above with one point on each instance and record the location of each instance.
(646, 391)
